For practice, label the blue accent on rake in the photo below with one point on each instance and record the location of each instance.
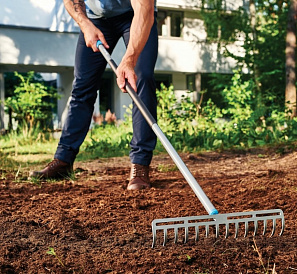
(99, 43)
(214, 212)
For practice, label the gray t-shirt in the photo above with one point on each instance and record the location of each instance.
(107, 8)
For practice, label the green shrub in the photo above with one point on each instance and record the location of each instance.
(191, 127)
(32, 104)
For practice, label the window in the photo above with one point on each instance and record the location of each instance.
(165, 79)
(191, 82)
(170, 23)
(176, 24)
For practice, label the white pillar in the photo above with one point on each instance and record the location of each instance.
(120, 100)
(64, 85)
(2, 98)
(96, 109)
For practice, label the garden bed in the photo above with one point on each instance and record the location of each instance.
(94, 225)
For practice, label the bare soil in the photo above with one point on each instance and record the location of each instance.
(95, 225)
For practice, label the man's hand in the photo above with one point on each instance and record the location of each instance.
(92, 34)
(77, 10)
(125, 71)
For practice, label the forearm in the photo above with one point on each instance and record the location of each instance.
(140, 28)
(77, 10)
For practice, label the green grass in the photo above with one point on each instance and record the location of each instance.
(105, 142)
(167, 168)
(16, 151)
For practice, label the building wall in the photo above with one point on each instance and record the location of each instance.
(197, 4)
(43, 49)
(44, 14)
(54, 51)
(189, 57)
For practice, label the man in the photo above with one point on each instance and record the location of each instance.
(108, 21)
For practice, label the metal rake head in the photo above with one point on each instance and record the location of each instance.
(229, 221)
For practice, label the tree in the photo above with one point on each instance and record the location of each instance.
(290, 95)
(262, 27)
(253, 26)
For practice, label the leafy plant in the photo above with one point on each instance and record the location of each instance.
(31, 104)
(239, 97)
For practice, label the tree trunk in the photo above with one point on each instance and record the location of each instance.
(253, 22)
(290, 95)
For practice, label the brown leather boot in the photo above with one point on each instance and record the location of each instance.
(139, 177)
(54, 170)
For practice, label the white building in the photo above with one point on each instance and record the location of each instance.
(40, 36)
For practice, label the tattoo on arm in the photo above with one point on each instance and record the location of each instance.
(79, 5)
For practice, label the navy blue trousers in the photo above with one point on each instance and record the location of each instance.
(89, 67)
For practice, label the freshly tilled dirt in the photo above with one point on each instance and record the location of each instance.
(95, 225)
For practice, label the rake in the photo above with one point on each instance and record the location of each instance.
(214, 220)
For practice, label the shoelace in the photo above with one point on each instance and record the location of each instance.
(139, 171)
(53, 163)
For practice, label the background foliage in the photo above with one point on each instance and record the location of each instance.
(193, 127)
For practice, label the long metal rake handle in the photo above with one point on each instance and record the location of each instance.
(170, 149)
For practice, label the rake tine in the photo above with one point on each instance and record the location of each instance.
(227, 231)
(256, 227)
(283, 227)
(246, 224)
(196, 233)
(265, 227)
(154, 238)
(186, 234)
(206, 230)
(165, 237)
(217, 230)
(236, 230)
(273, 227)
(175, 234)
